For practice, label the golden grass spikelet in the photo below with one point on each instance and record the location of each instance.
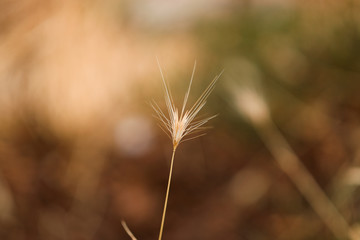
(177, 125)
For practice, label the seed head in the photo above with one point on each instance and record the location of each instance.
(179, 125)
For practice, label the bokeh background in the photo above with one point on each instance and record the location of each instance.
(80, 150)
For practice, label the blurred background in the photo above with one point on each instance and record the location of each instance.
(80, 150)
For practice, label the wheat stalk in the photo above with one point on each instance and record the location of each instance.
(180, 124)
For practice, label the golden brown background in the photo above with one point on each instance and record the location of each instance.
(80, 150)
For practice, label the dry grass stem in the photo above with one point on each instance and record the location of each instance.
(289, 161)
(167, 195)
(181, 125)
(127, 230)
(304, 181)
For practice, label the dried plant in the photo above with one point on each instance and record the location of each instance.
(250, 102)
(181, 126)
(127, 230)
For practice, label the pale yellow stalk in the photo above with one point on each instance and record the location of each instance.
(167, 195)
(177, 125)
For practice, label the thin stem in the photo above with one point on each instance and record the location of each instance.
(127, 230)
(167, 194)
(304, 181)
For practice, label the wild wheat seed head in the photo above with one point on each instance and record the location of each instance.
(178, 124)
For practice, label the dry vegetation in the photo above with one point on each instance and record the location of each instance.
(79, 150)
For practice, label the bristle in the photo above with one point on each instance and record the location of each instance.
(178, 126)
